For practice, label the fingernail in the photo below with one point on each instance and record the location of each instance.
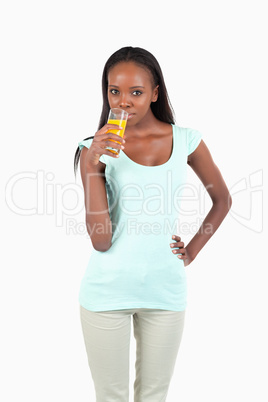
(124, 141)
(173, 237)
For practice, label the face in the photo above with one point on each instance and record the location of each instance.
(130, 88)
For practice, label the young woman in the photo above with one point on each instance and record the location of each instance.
(137, 267)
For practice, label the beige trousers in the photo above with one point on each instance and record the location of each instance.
(106, 334)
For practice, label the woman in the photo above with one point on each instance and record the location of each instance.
(137, 267)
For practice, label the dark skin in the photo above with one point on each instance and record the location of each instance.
(148, 141)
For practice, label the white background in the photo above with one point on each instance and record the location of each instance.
(212, 56)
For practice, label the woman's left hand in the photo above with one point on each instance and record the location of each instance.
(178, 248)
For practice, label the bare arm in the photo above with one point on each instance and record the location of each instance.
(98, 222)
(203, 165)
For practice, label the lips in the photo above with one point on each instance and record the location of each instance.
(130, 115)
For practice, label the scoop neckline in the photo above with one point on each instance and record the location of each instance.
(156, 166)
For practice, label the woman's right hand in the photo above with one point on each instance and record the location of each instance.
(102, 140)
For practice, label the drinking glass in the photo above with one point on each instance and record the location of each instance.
(119, 117)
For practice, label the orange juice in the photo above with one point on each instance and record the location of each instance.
(121, 133)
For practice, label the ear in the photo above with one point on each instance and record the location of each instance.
(155, 94)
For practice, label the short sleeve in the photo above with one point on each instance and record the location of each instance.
(194, 138)
(87, 143)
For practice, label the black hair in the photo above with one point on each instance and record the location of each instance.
(161, 109)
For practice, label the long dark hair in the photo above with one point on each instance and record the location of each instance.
(161, 109)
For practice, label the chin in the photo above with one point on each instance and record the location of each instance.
(131, 123)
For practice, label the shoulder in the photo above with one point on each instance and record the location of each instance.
(190, 138)
(84, 146)
(85, 143)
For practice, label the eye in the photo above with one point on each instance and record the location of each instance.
(138, 93)
(113, 91)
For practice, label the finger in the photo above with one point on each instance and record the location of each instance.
(175, 237)
(112, 144)
(106, 128)
(108, 136)
(177, 244)
(114, 137)
(110, 141)
(103, 151)
(111, 127)
(110, 153)
(179, 251)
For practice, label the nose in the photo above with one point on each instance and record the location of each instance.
(124, 102)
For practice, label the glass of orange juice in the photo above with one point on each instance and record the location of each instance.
(117, 116)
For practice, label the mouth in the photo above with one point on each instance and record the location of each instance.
(130, 116)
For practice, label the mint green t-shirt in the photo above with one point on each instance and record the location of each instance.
(140, 270)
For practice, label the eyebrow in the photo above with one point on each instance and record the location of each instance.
(137, 86)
